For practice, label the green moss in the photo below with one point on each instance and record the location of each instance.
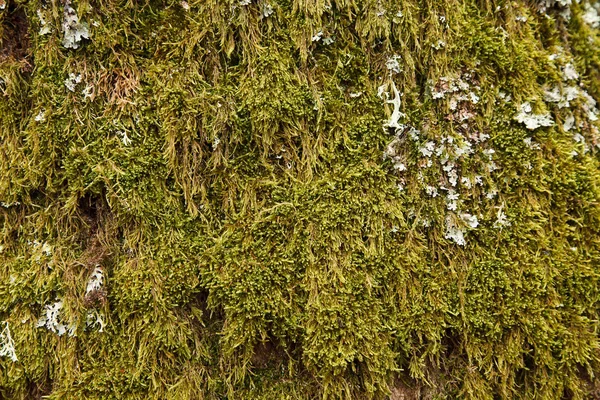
(259, 235)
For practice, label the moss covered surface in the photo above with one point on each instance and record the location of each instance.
(300, 199)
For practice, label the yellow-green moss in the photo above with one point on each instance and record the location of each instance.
(264, 234)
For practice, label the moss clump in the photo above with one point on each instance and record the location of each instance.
(272, 220)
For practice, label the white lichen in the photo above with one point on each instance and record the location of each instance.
(72, 81)
(466, 182)
(491, 194)
(461, 94)
(427, 149)
(317, 36)
(470, 220)
(52, 320)
(563, 7)
(454, 232)
(569, 72)
(73, 30)
(413, 133)
(96, 280)
(95, 318)
(532, 121)
(462, 149)
(431, 191)
(7, 345)
(591, 16)
(394, 121)
(531, 144)
(46, 249)
(569, 123)
(267, 10)
(40, 117)
(452, 200)
(124, 138)
(501, 219)
(506, 98)
(390, 153)
(45, 27)
(440, 44)
(88, 92)
(580, 139)
(562, 98)
(589, 106)
(452, 177)
(393, 65)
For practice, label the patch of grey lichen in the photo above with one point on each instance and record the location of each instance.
(299, 199)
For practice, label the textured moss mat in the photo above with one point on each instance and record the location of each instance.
(299, 199)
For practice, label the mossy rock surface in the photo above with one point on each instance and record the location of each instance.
(299, 199)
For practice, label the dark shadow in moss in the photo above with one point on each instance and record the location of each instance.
(591, 382)
(268, 354)
(402, 389)
(14, 42)
(37, 391)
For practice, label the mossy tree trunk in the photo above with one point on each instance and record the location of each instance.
(276, 199)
